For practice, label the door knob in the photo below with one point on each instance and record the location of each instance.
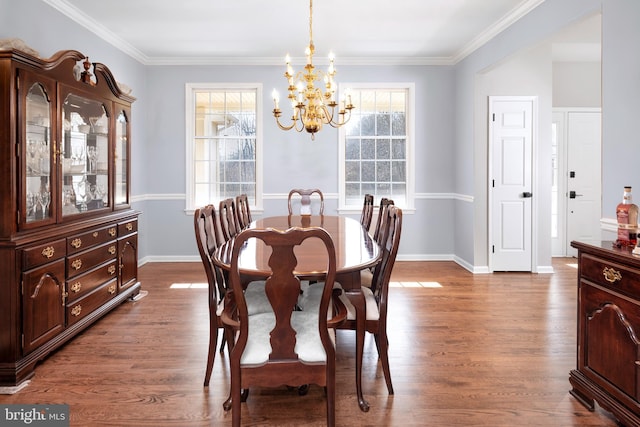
(573, 195)
(526, 194)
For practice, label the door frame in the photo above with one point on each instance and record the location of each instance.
(534, 168)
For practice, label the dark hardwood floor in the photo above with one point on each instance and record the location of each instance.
(465, 350)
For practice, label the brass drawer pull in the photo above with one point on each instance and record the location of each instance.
(95, 234)
(76, 287)
(112, 289)
(111, 269)
(75, 311)
(76, 243)
(48, 252)
(611, 275)
(112, 232)
(77, 264)
(129, 226)
(112, 250)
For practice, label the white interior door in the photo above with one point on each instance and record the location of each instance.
(584, 178)
(510, 182)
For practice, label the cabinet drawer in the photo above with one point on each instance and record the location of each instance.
(611, 275)
(128, 227)
(82, 241)
(85, 283)
(90, 302)
(84, 261)
(41, 254)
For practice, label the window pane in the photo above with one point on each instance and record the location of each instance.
(368, 149)
(398, 149)
(368, 171)
(383, 149)
(368, 125)
(353, 191)
(352, 171)
(383, 171)
(352, 149)
(398, 172)
(383, 125)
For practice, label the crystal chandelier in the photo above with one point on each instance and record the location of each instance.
(311, 107)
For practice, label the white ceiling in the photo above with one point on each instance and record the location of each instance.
(263, 31)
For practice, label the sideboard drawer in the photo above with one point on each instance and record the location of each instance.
(84, 306)
(614, 276)
(127, 228)
(42, 254)
(82, 241)
(83, 284)
(84, 261)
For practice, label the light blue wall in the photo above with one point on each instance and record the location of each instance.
(448, 217)
(620, 101)
(292, 159)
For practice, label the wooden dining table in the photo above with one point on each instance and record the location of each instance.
(355, 251)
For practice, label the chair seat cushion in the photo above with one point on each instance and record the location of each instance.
(366, 278)
(308, 344)
(310, 300)
(256, 298)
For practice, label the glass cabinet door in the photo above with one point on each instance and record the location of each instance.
(84, 155)
(38, 155)
(121, 193)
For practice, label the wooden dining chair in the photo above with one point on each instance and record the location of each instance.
(243, 211)
(376, 296)
(366, 276)
(382, 211)
(305, 200)
(206, 224)
(284, 346)
(228, 218)
(367, 211)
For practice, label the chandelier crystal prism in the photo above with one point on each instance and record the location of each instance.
(312, 107)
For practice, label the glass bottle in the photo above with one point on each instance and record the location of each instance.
(627, 216)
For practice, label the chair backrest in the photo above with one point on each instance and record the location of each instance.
(305, 200)
(205, 223)
(367, 211)
(382, 214)
(243, 211)
(283, 289)
(390, 232)
(228, 218)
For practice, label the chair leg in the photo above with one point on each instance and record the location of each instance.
(383, 350)
(235, 397)
(330, 390)
(213, 343)
(223, 342)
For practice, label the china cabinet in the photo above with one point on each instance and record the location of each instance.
(68, 235)
(608, 357)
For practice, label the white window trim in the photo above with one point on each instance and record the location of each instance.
(190, 88)
(343, 208)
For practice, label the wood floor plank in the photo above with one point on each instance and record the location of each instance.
(465, 350)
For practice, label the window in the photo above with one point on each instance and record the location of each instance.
(223, 142)
(377, 145)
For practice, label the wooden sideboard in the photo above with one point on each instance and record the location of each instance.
(608, 345)
(68, 234)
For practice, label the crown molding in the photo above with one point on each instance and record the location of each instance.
(104, 33)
